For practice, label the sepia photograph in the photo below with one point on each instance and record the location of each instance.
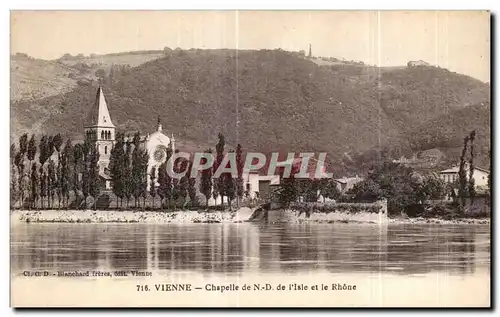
(237, 158)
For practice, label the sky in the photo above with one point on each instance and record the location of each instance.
(456, 40)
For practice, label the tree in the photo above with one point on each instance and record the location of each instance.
(287, 192)
(176, 190)
(46, 150)
(77, 171)
(164, 179)
(19, 162)
(206, 180)
(51, 182)
(93, 172)
(14, 182)
(471, 187)
(397, 183)
(64, 172)
(191, 186)
(136, 170)
(230, 186)
(143, 185)
(152, 182)
(90, 171)
(462, 177)
(34, 185)
(57, 142)
(34, 176)
(331, 190)
(219, 182)
(367, 190)
(127, 173)
(162, 182)
(433, 188)
(23, 143)
(239, 181)
(184, 181)
(116, 163)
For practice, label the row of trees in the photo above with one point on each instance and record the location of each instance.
(45, 171)
(309, 189)
(129, 171)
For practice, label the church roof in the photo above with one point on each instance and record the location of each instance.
(99, 114)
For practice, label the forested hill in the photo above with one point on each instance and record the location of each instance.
(283, 101)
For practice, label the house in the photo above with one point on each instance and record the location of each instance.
(260, 183)
(347, 183)
(480, 175)
(417, 63)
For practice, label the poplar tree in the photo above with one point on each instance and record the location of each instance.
(191, 185)
(206, 180)
(13, 177)
(64, 172)
(144, 159)
(127, 173)
(152, 187)
(162, 179)
(462, 177)
(136, 169)
(31, 153)
(219, 182)
(175, 193)
(239, 166)
(86, 171)
(19, 162)
(57, 142)
(51, 182)
(184, 181)
(34, 185)
(230, 185)
(472, 191)
(93, 173)
(78, 151)
(116, 163)
(31, 149)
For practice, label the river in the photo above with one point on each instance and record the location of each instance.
(443, 263)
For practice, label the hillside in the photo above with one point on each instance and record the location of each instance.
(134, 58)
(33, 79)
(283, 102)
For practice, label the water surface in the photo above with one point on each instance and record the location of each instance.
(243, 248)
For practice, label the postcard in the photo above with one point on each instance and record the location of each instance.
(250, 159)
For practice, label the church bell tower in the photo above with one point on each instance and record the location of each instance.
(100, 128)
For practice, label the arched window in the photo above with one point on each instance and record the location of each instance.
(105, 150)
(102, 134)
(109, 135)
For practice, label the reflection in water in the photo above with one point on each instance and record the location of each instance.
(238, 248)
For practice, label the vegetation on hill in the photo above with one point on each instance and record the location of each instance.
(277, 101)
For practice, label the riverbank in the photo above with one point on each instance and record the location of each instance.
(202, 216)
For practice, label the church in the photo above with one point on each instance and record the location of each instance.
(99, 124)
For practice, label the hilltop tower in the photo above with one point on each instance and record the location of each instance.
(100, 127)
(310, 51)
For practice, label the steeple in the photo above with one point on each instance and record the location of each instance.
(99, 114)
(100, 129)
(172, 142)
(158, 125)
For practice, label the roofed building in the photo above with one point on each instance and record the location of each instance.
(480, 175)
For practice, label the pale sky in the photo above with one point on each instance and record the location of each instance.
(457, 40)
